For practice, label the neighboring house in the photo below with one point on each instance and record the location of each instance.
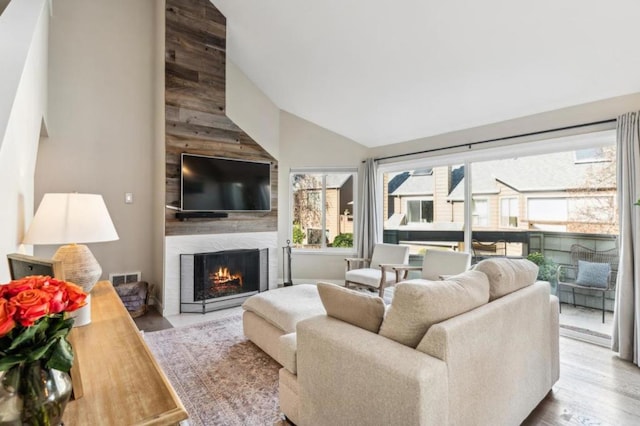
(338, 212)
(571, 191)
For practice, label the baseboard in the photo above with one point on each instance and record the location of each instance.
(156, 303)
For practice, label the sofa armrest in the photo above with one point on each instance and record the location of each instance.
(492, 350)
(348, 375)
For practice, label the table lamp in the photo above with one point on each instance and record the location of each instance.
(70, 219)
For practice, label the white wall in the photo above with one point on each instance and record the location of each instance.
(579, 114)
(103, 105)
(304, 144)
(252, 111)
(23, 96)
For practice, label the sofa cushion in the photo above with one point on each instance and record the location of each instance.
(419, 304)
(360, 309)
(287, 352)
(591, 274)
(369, 276)
(284, 307)
(507, 275)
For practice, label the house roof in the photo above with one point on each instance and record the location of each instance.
(550, 172)
(420, 183)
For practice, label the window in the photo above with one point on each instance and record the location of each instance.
(547, 209)
(419, 211)
(480, 212)
(417, 201)
(549, 214)
(509, 212)
(541, 193)
(322, 209)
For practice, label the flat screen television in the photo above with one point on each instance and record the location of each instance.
(224, 185)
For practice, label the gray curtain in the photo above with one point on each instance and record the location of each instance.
(367, 209)
(626, 317)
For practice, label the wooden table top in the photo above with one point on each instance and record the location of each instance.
(122, 382)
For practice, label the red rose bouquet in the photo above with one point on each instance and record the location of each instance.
(33, 324)
(33, 344)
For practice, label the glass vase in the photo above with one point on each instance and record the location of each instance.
(33, 395)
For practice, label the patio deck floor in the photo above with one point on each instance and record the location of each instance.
(586, 320)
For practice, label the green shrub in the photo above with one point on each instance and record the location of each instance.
(343, 240)
(298, 234)
(547, 268)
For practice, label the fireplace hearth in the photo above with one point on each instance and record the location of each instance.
(222, 279)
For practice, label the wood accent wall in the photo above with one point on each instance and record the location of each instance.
(195, 114)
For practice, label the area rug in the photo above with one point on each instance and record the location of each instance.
(220, 376)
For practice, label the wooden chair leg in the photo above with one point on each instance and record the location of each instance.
(381, 290)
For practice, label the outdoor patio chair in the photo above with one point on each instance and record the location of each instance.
(377, 271)
(437, 265)
(591, 270)
(484, 249)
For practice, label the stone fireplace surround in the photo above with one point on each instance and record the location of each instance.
(181, 244)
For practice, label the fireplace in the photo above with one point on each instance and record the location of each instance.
(221, 279)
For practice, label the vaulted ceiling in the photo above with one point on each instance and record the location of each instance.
(382, 72)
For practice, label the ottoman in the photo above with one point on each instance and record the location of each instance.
(270, 318)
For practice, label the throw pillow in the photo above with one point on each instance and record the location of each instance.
(419, 304)
(592, 274)
(354, 307)
(507, 275)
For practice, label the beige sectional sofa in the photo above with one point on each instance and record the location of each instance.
(490, 364)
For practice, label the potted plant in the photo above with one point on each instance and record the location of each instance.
(547, 269)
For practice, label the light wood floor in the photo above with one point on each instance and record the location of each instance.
(595, 386)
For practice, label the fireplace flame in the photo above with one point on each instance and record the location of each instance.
(224, 276)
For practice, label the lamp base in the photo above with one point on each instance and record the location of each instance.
(80, 267)
(83, 315)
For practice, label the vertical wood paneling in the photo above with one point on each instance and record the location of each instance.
(195, 119)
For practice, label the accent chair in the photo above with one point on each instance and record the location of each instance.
(377, 271)
(436, 265)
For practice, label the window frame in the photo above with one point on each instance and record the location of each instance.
(585, 137)
(325, 171)
(420, 200)
(510, 199)
(487, 212)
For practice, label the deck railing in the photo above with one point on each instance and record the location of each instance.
(554, 246)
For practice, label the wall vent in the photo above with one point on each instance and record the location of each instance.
(118, 278)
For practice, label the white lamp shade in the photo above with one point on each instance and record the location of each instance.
(71, 218)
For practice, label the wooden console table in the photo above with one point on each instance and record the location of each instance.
(122, 382)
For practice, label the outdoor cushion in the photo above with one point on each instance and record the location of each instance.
(356, 308)
(416, 306)
(591, 274)
(507, 275)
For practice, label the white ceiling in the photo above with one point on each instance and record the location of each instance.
(381, 72)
